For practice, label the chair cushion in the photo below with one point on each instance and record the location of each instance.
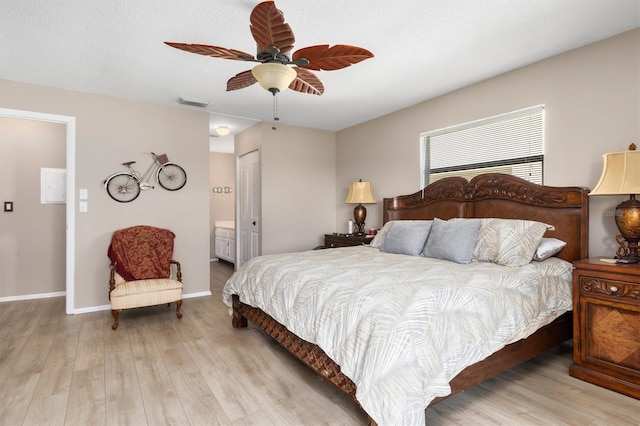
(135, 294)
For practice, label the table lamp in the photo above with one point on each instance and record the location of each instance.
(359, 193)
(621, 176)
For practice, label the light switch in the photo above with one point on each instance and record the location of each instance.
(82, 206)
(84, 194)
(8, 206)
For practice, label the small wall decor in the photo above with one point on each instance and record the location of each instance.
(125, 187)
(222, 190)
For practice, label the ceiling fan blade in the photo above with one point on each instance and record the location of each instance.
(307, 82)
(240, 81)
(213, 51)
(323, 57)
(269, 29)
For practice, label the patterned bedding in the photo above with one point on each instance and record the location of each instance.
(401, 327)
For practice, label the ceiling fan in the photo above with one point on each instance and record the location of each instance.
(275, 39)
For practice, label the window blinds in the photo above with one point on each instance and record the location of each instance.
(510, 143)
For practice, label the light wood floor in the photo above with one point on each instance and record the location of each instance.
(155, 369)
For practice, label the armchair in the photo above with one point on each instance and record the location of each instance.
(141, 270)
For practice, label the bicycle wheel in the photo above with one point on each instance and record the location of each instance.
(123, 187)
(171, 176)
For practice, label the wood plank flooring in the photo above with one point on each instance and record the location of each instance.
(58, 369)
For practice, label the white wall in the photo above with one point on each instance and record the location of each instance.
(592, 106)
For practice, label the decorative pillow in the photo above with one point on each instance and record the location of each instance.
(382, 233)
(452, 240)
(548, 247)
(405, 236)
(509, 242)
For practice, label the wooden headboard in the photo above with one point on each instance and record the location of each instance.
(502, 196)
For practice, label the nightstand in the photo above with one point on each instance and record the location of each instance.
(606, 325)
(345, 240)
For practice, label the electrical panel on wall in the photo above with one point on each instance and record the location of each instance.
(53, 186)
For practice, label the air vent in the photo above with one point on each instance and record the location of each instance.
(198, 104)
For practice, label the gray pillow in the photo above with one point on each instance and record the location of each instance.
(382, 233)
(406, 236)
(452, 240)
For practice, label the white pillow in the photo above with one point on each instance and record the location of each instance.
(379, 238)
(548, 247)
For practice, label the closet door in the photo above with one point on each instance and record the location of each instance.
(249, 207)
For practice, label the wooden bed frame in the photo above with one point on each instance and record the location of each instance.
(489, 195)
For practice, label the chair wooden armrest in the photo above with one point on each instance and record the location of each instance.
(112, 278)
(178, 270)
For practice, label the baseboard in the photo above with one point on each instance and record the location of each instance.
(33, 296)
(92, 309)
(108, 307)
(200, 294)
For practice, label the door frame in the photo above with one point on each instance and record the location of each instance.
(70, 124)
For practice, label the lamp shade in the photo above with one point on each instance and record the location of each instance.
(620, 174)
(360, 193)
(273, 76)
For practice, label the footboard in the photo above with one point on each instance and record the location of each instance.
(315, 358)
(310, 354)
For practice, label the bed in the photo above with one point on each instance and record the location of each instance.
(333, 277)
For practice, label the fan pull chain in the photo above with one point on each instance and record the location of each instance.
(275, 111)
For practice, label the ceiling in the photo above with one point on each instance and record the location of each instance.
(422, 48)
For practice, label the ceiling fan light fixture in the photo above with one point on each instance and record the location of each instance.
(274, 77)
(274, 40)
(222, 130)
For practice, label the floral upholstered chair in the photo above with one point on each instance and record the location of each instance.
(141, 271)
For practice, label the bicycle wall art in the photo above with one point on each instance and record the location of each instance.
(125, 187)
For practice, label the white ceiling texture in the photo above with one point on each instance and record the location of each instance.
(422, 48)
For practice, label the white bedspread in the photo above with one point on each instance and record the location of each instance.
(401, 327)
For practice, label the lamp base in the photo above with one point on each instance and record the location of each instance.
(359, 215)
(628, 222)
(625, 251)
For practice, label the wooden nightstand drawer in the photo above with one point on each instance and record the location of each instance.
(594, 286)
(606, 325)
(344, 240)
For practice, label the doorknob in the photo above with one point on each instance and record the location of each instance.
(254, 223)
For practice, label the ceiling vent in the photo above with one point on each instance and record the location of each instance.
(198, 104)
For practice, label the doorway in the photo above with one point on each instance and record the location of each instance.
(70, 123)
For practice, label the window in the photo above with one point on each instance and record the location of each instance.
(509, 143)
